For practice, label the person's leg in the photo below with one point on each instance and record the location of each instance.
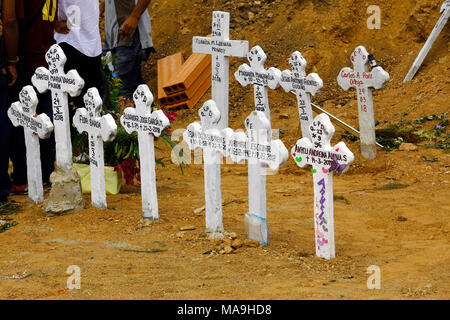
(17, 138)
(47, 146)
(5, 181)
(128, 65)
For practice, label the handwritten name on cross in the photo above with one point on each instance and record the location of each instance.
(23, 114)
(148, 125)
(99, 128)
(220, 47)
(363, 81)
(256, 75)
(212, 140)
(60, 84)
(323, 158)
(259, 149)
(304, 86)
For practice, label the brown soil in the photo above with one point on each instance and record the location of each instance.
(115, 251)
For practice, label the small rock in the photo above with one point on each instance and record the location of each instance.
(228, 249)
(401, 218)
(284, 116)
(408, 147)
(251, 243)
(198, 210)
(187, 228)
(181, 234)
(251, 15)
(232, 235)
(237, 243)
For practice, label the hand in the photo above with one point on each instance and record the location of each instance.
(13, 72)
(61, 27)
(129, 26)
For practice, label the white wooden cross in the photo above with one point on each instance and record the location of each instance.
(324, 159)
(23, 114)
(445, 14)
(260, 78)
(259, 149)
(59, 83)
(212, 140)
(148, 125)
(303, 86)
(220, 47)
(363, 81)
(99, 128)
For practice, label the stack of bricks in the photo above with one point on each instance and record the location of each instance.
(182, 85)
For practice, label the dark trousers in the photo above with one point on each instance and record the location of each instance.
(17, 138)
(128, 64)
(90, 70)
(5, 182)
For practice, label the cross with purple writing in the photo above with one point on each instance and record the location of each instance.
(324, 159)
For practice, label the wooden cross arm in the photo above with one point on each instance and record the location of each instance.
(380, 78)
(244, 75)
(75, 89)
(276, 75)
(286, 80)
(39, 79)
(344, 83)
(190, 132)
(15, 108)
(108, 128)
(130, 111)
(47, 126)
(281, 155)
(318, 83)
(80, 113)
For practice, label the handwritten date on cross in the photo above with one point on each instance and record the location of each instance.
(54, 78)
(207, 134)
(90, 120)
(318, 151)
(297, 79)
(255, 74)
(141, 119)
(360, 77)
(23, 114)
(257, 146)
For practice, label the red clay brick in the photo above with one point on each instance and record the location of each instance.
(168, 68)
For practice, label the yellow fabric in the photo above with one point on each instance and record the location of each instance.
(46, 16)
(113, 180)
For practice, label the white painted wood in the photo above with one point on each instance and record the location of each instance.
(304, 86)
(256, 75)
(99, 128)
(324, 159)
(60, 84)
(212, 140)
(148, 125)
(363, 80)
(258, 148)
(445, 14)
(23, 113)
(220, 47)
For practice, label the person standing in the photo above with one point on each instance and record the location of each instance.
(8, 61)
(77, 32)
(128, 34)
(36, 25)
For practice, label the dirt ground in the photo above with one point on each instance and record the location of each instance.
(392, 212)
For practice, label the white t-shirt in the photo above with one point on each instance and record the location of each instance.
(82, 18)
